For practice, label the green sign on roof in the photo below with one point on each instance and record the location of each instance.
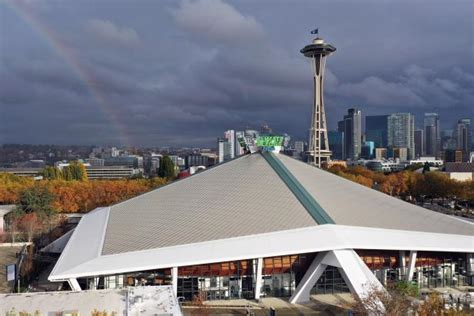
(270, 141)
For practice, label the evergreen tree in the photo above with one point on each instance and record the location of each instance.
(36, 199)
(426, 167)
(167, 169)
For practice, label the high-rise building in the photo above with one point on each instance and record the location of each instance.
(336, 143)
(432, 134)
(318, 149)
(224, 149)
(368, 150)
(230, 136)
(463, 137)
(401, 132)
(419, 143)
(451, 155)
(352, 134)
(448, 140)
(239, 150)
(376, 130)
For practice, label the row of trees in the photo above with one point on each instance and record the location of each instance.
(409, 184)
(75, 171)
(71, 196)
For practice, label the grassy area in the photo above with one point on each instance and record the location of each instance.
(7, 256)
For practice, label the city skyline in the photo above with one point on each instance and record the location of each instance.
(96, 74)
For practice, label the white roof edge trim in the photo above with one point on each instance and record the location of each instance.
(72, 241)
(327, 237)
(104, 232)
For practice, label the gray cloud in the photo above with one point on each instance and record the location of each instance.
(106, 30)
(179, 73)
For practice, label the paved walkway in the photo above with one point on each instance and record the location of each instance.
(326, 304)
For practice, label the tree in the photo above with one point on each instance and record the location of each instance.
(426, 167)
(13, 220)
(75, 171)
(30, 224)
(51, 173)
(167, 169)
(36, 199)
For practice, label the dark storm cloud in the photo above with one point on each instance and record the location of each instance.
(179, 73)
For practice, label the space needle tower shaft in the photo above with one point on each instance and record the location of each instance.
(318, 149)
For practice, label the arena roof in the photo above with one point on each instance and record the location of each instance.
(257, 205)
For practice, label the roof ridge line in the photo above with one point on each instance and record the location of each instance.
(303, 196)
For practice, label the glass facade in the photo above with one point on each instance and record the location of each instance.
(330, 282)
(226, 280)
(281, 275)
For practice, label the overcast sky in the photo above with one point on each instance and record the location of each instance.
(179, 73)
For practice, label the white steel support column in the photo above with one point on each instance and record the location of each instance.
(174, 280)
(402, 264)
(74, 285)
(310, 278)
(411, 265)
(258, 280)
(355, 272)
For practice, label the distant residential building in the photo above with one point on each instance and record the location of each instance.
(419, 143)
(152, 164)
(4, 210)
(464, 136)
(432, 134)
(336, 144)
(95, 162)
(178, 162)
(376, 130)
(430, 160)
(196, 160)
(368, 150)
(381, 153)
(130, 161)
(401, 132)
(453, 155)
(384, 165)
(111, 172)
(352, 134)
(400, 153)
(23, 172)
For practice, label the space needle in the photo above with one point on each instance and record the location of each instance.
(318, 150)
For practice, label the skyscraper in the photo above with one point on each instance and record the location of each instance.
(224, 149)
(318, 139)
(352, 134)
(376, 130)
(419, 144)
(463, 139)
(230, 136)
(401, 132)
(336, 143)
(432, 134)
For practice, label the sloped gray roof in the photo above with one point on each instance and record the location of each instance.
(349, 203)
(242, 197)
(460, 167)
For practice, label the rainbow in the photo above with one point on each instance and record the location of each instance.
(51, 37)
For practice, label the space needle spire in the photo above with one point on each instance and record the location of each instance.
(318, 150)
